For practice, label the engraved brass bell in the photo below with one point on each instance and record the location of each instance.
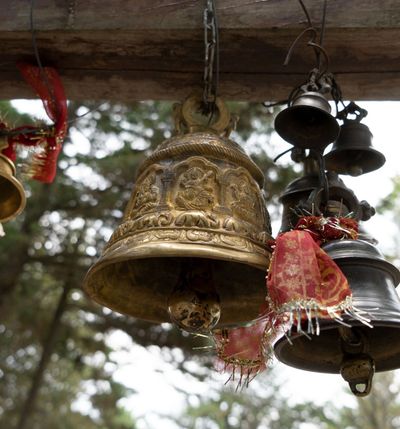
(352, 153)
(197, 218)
(307, 123)
(358, 350)
(12, 194)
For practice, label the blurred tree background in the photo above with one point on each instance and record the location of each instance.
(54, 342)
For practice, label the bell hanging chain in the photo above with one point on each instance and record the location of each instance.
(210, 56)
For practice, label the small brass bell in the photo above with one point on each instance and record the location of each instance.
(307, 123)
(192, 246)
(352, 153)
(355, 351)
(12, 194)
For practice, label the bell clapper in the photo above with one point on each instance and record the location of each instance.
(357, 367)
(194, 304)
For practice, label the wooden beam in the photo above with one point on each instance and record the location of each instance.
(135, 49)
(184, 14)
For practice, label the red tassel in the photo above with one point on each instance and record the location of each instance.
(47, 84)
(304, 283)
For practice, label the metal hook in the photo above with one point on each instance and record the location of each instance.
(298, 38)
(320, 49)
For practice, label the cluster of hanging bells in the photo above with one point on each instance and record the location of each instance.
(193, 246)
(338, 349)
(356, 351)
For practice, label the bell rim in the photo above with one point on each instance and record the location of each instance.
(94, 274)
(17, 184)
(328, 325)
(380, 157)
(146, 250)
(9, 163)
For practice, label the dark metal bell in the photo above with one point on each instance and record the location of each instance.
(372, 280)
(307, 123)
(342, 200)
(353, 153)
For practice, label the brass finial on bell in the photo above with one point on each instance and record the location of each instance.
(12, 194)
(352, 153)
(355, 351)
(193, 242)
(307, 123)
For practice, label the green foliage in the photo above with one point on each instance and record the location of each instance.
(390, 202)
(381, 409)
(261, 405)
(51, 246)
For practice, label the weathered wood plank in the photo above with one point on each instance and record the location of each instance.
(255, 51)
(140, 49)
(126, 86)
(184, 14)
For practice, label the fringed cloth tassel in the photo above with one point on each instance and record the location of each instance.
(47, 140)
(241, 352)
(244, 352)
(304, 285)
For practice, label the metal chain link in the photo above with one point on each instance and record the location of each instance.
(211, 59)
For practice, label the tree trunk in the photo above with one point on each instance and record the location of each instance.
(47, 350)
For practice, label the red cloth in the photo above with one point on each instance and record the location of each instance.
(241, 350)
(302, 275)
(47, 84)
(303, 283)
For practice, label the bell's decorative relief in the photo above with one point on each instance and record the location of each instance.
(196, 184)
(224, 204)
(148, 194)
(242, 196)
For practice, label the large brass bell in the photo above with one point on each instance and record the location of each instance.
(193, 240)
(12, 194)
(358, 350)
(352, 153)
(307, 123)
